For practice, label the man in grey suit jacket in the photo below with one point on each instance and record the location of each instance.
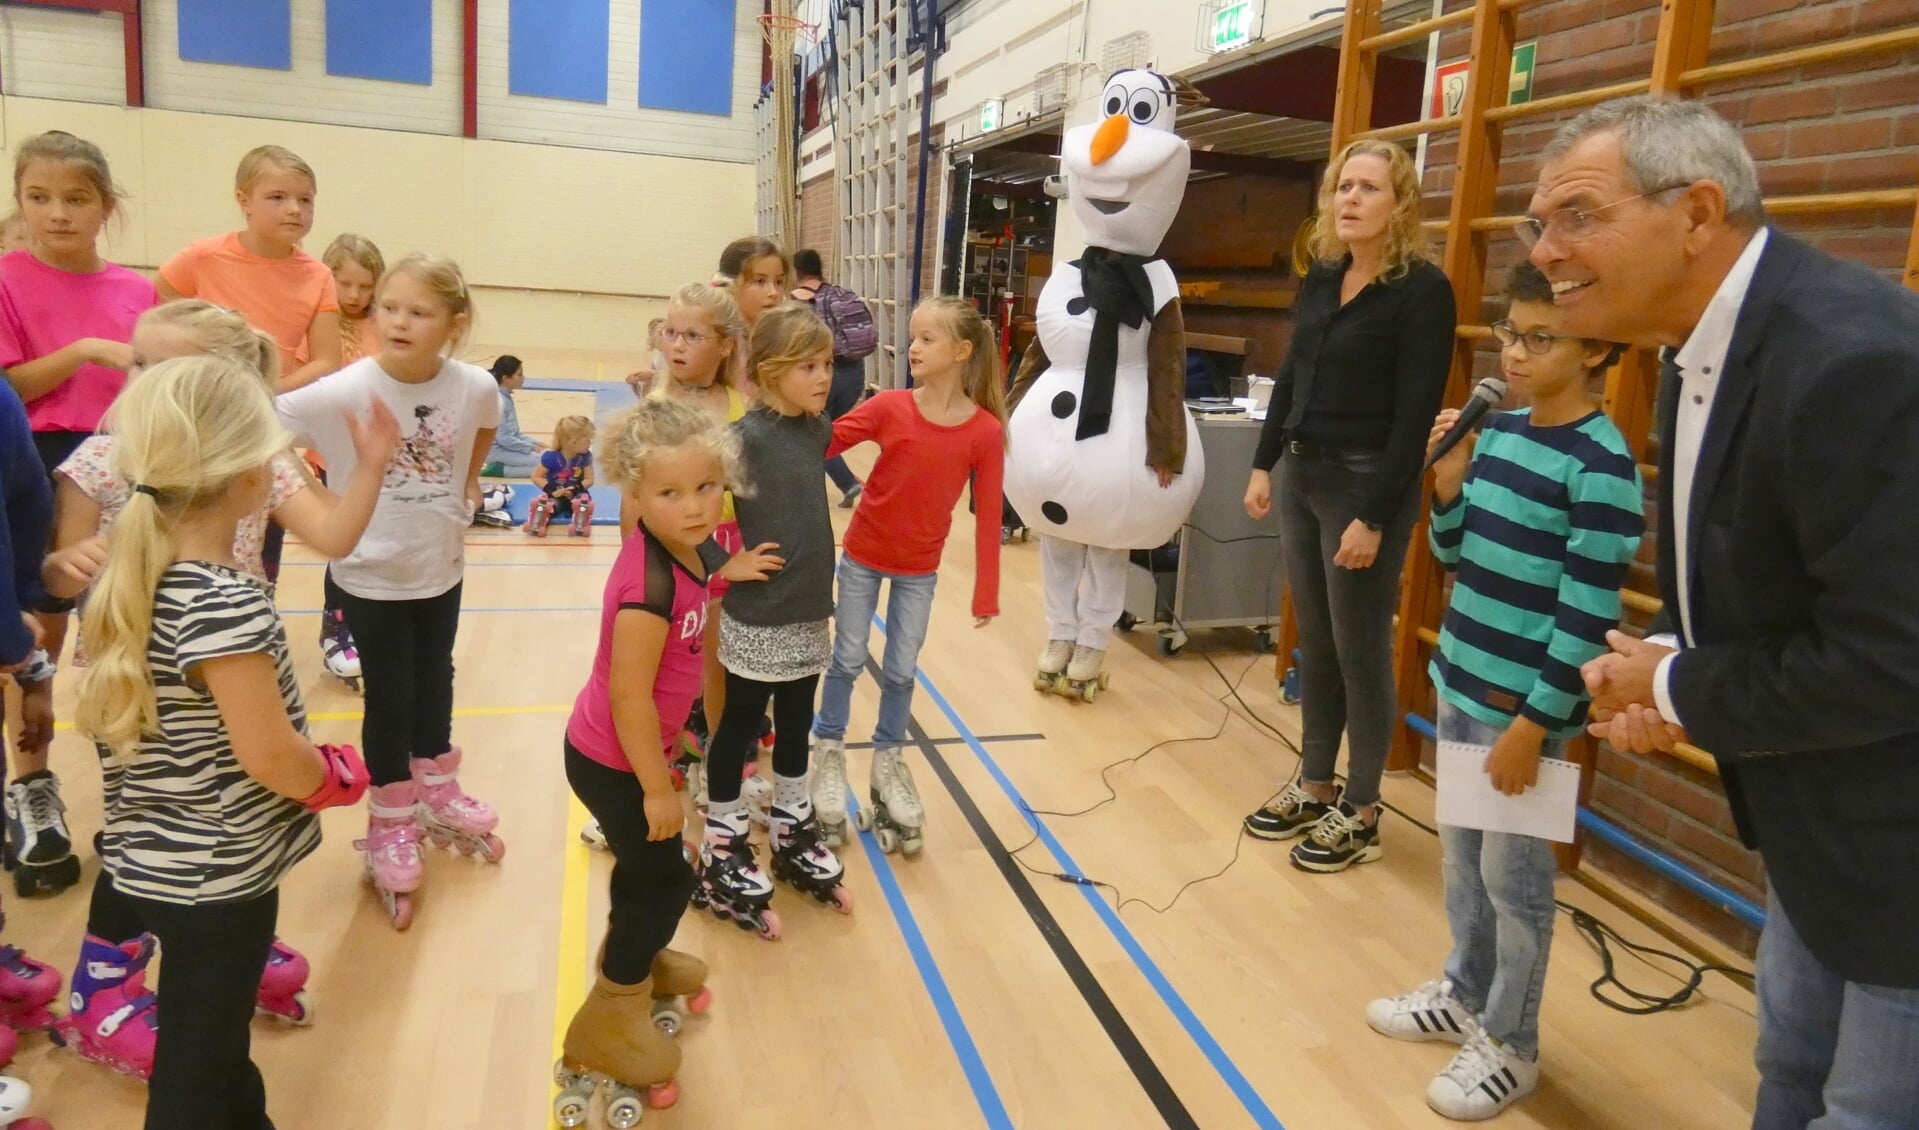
(1789, 530)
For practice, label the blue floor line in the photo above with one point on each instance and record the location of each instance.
(1222, 1063)
(977, 1077)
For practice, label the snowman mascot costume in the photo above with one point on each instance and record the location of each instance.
(1103, 457)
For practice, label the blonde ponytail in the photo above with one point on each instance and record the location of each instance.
(182, 434)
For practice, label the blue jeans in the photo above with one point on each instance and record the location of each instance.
(1833, 1054)
(1499, 903)
(909, 609)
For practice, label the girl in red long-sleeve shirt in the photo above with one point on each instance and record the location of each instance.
(946, 430)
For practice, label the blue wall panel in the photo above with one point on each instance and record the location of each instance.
(246, 33)
(383, 39)
(557, 49)
(686, 55)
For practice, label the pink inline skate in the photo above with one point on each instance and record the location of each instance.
(111, 1017)
(283, 986)
(392, 847)
(448, 817)
(27, 987)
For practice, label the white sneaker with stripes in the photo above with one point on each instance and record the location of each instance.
(1427, 1013)
(1485, 1078)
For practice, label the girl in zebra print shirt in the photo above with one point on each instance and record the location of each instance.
(192, 691)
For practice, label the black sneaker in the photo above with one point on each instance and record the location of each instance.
(852, 495)
(1289, 814)
(1338, 841)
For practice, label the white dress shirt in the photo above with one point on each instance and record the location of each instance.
(1699, 361)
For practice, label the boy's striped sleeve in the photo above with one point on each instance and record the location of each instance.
(1607, 517)
(1446, 529)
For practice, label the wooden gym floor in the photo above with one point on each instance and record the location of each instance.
(969, 988)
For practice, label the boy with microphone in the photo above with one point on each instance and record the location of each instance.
(1538, 517)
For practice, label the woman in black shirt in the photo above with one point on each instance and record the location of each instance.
(1372, 340)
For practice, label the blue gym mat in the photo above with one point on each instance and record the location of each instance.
(606, 503)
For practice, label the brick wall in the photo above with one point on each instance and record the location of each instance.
(820, 220)
(1838, 127)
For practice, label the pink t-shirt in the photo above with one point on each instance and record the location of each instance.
(648, 577)
(44, 309)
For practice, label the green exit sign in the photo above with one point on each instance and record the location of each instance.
(1232, 26)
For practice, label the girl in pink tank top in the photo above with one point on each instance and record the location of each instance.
(672, 462)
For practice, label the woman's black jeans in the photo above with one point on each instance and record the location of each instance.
(1345, 616)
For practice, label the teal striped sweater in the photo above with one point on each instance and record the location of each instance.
(1540, 538)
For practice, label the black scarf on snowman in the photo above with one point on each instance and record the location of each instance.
(1116, 287)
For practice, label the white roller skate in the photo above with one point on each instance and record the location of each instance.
(592, 836)
(15, 1100)
(492, 509)
(802, 861)
(1052, 665)
(829, 789)
(1083, 679)
(449, 818)
(731, 883)
(337, 650)
(895, 815)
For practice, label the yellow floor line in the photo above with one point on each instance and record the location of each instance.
(459, 712)
(570, 978)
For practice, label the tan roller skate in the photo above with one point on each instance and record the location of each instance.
(1052, 665)
(614, 1047)
(679, 988)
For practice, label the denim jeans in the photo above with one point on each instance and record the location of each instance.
(1833, 1054)
(909, 609)
(1499, 903)
(1345, 616)
(849, 381)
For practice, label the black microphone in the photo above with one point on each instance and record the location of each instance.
(1486, 396)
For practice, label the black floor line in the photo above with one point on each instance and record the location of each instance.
(1124, 1040)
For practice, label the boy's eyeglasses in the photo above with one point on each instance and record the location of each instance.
(674, 337)
(1572, 225)
(1537, 341)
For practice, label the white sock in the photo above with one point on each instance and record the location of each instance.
(726, 818)
(792, 794)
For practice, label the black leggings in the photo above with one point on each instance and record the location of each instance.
(406, 662)
(204, 1077)
(740, 729)
(651, 878)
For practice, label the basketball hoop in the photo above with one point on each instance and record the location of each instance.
(789, 33)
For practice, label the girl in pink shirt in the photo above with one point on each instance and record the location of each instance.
(933, 439)
(673, 461)
(66, 314)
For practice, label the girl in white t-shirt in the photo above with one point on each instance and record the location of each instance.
(400, 587)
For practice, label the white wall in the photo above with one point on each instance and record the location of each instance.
(56, 53)
(306, 93)
(620, 124)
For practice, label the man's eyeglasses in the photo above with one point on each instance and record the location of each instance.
(1537, 341)
(1570, 225)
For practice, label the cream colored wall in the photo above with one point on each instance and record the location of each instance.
(570, 251)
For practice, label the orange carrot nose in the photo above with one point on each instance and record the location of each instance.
(1108, 138)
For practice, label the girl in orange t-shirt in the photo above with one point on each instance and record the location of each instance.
(260, 271)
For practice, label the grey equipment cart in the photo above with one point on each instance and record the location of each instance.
(1223, 570)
